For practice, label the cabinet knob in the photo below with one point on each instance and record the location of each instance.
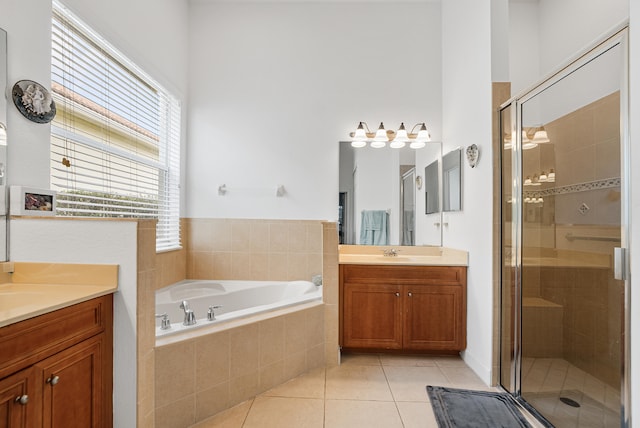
(410, 294)
(397, 294)
(53, 380)
(22, 399)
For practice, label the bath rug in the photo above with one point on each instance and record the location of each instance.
(474, 409)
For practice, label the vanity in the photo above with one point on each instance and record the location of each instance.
(402, 299)
(56, 345)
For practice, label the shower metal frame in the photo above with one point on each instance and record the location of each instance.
(619, 35)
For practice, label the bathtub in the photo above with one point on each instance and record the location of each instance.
(237, 300)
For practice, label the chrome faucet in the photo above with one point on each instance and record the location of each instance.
(211, 316)
(391, 252)
(165, 323)
(189, 316)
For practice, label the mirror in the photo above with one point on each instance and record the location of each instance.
(3, 144)
(432, 188)
(380, 200)
(452, 181)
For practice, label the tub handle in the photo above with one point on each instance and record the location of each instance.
(211, 316)
(165, 323)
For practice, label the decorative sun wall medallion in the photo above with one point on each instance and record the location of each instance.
(473, 153)
(34, 101)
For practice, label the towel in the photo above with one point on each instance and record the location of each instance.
(374, 228)
(407, 228)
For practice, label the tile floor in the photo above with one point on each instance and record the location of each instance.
(364, 391)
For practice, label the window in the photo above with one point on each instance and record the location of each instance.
(115, 140)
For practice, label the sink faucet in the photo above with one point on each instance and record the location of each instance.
(189, 316)
(391, 252)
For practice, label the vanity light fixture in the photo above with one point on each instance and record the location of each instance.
(397, 139)
(527, 181)
(540, 136)
(543, 177)
(526, 142)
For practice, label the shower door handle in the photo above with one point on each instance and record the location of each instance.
(620, 263)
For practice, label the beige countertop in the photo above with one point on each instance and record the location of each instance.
(38, 288)
(407, 256)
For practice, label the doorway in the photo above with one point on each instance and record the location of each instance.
(564, 213)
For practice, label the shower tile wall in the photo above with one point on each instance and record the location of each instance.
(253, 249)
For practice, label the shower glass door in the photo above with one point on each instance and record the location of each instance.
(562, 303)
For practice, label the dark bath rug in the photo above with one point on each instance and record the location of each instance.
(474, 409)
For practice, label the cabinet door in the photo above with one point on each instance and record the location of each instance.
(20, 400)
(435, 317)
(372, 316)
(73, 386)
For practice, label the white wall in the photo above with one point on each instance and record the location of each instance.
(524, 46)
(568, 26)
(466, 112)
(106, 242)
(276, 85)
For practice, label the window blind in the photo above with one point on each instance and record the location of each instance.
(115, 143)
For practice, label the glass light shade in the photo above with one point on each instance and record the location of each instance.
(380, 140)
(540, 136)
(527, 181)
(527, 200)
(358, 144)
(417, 144)
(540, 200)
(401, 138)
(543, 177)
(552, 176)
(526, 142)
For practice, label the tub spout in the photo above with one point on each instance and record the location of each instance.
(189, 316)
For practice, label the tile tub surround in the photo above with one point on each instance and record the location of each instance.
(201, 376)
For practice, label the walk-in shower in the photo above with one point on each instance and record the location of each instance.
(564, 228)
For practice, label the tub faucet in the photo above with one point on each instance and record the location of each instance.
(189, 316)
(391, 252)
(211, 316)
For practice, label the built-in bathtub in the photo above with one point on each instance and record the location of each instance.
(228, 299)
(264, 334)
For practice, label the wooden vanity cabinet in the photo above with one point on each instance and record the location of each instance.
(62, 362)
(404, 308)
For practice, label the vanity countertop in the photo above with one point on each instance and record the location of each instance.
(408, 256)
(39, 288)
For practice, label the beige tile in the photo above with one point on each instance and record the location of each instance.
(410, 383)
(453, 361)
(278, 237)
(417, 415)
(201, 266)
(463, 377)
(308, 385)
(244, 356)
(277, 266)
(279, 412)
(241, 265)
(297, 237)
(244, 387)
(360, 359)
(295, 332)
(295, 364)
(315, 357)
(177, 360)
(200, 236)
(212, 354)
(220, 234)
(211, 401)
(271, 375)
(361, 414)
(271, 341)
(221, 265)
(259, 237)
(231, 418)
(407, 360)
(241, 235)
(259, 266)
(297, 266)
(314, 237)
(315, 326)
(357, 383)
(178, 414)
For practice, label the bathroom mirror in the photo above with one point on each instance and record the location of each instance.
(452, 181)
(3, 144)
(386, 186)
(432, 188)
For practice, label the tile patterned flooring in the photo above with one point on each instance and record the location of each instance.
(364, 391)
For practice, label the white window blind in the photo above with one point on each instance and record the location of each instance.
(115, 146)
